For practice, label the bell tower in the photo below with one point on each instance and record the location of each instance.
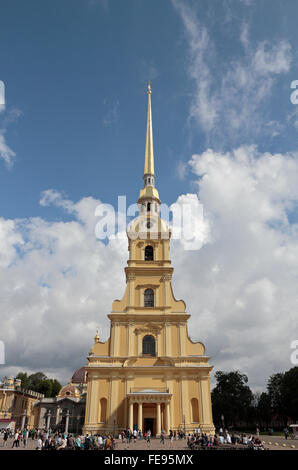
(149, 373)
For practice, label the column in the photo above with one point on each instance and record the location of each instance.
(139, 342)
(168, 424)
(66, 422)
(131, 291)
(23, 419)
(205, 410)
(48, 420)
(167, 289)
(168, 343)
(130, 419)
(158, 349)
(182, 338)
(140, 416)
(158, 420)
(57, 415)
(93, 400)
(116, 338)
(184, 397)
(130, 339)
(114, 384)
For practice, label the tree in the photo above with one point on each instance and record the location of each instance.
(231, 397)
(40, 383)
(25, 383)
(274, 389)
(56, 387)
(264, 410)
(289, 392)
(36, 379)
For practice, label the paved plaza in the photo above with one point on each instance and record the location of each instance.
(271, 442)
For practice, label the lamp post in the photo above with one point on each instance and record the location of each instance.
(24, 414)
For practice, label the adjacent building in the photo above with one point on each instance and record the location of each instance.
(66, 411)
(17, 405)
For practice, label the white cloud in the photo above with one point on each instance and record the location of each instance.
(57, 282)
(147, 70)
(103, 3)
(6, 153)
(229, 97)
(111, 112)
(241, 287)
(274, 59)
(181, 170)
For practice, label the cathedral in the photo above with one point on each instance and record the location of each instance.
(149, 374)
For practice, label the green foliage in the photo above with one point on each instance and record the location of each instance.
(274, 389)
(231, 397)
(264, 410)
(40, 383)
(289, 392)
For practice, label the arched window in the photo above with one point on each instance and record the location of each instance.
(195, 410)
(148, 206)
(103, 410)
(149, 253)
(148, 298)
(149, 345)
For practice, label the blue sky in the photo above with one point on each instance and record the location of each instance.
(73, 133)
(76, 72)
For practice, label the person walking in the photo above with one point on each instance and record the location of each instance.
(5, 437)
(16, 440)
(172, 441)
(108, 443)
(25, 437)
(286, 433)
(149, 437)
(77, 443)
(39, 444)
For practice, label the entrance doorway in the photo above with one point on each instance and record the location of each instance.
(149, 423)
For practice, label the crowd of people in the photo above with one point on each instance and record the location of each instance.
(202, 440)
(55, 440)
(58, 441)
(127, 436)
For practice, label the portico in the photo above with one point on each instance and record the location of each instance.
(149, 406)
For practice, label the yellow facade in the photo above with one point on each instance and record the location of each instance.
(18, 405)
(149, 374)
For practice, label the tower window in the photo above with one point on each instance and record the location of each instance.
(149, 345)
(149, 298)
(148, 207)
(149, 253)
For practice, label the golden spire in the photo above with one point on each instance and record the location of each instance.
(149, 157)
(96, 337)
